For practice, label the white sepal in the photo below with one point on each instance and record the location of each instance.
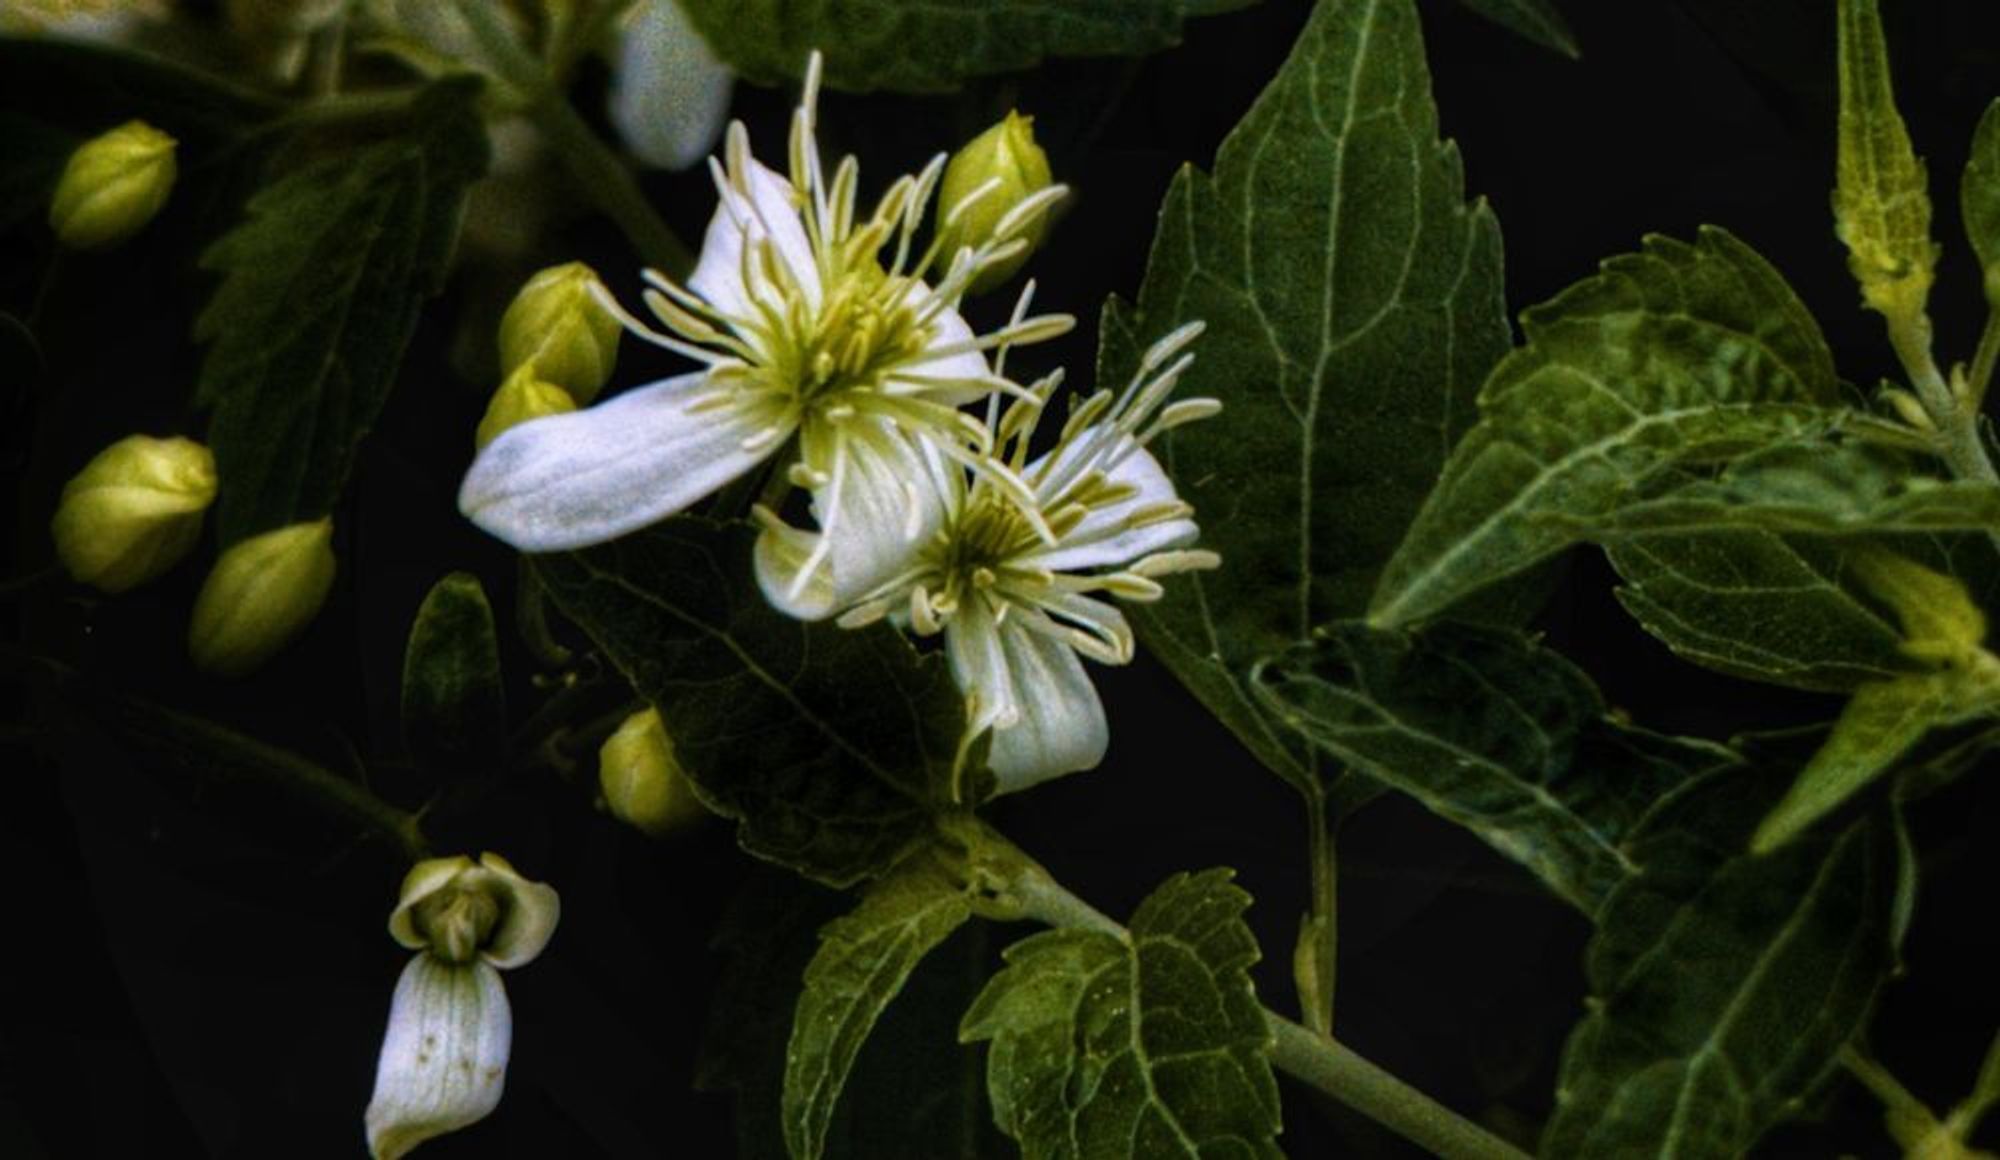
(1031, 689)
(570, 481)
(444, 1058)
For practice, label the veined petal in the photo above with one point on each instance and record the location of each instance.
(570, 481)
(444, 1058)
(1032, 690)
(948, 330)
(669, 91)
(881, 503)
(1103, 538)
(770, 211)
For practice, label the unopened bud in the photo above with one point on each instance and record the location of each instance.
(557, 324)
(642, 781)
(524, 396)
(458, 909)
(133, 511)
(261, 594)
(112, 186)
(993, 173)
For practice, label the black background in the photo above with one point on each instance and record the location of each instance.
(193, 969)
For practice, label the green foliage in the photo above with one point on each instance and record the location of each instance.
(832, 748)
(1493, 732)
(863, 961)
(1723, 984)
(1979, 188)
(918, 46)
(1353, 303)
(1881, 205)
(1677, 354)
(1538, 20)
(320, 290)
(1818, 483)
(1151, 1044)
(454, 706)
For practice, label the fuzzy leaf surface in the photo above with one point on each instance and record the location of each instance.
(1492, 732)
(454, 705)
(919, 46)
(1148, 1045)
(864, 959)
(1723, 984)
(1680, 353)
(320, 289)
(831, 748)
(1353, 301)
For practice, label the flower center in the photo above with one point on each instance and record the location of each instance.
(863, 330)
(457, 920)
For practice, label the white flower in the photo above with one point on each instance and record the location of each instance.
(444, 1058)
(1014, 584)
(669, 91)
(804, 331)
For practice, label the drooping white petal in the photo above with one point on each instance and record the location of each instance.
(570, 481)
(1103, 538)
(444, 1057)
(1031, 688)
(884, 500)
(770, 211)
(669, 91)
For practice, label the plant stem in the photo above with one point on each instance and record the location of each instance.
(1981, 375)
(1964, 1118)
(1896, 1099)
(1322, 864)
(599, 174)
(1312, 1058)
(1956, 418)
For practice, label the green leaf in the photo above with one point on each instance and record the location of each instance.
(1676, 354)
(1979, 188)
(1761, 606)
(1723, 985)
(864, 958)
(1353, 302)
(1149, 1045)
(1492, 732)
(1884, 720)
(1538, 20)
(919, 46)
(454, 706)
(1818, 483)
(320, 291)
(832, 748)
(1881, 202)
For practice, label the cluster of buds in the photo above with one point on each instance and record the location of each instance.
(558, 347)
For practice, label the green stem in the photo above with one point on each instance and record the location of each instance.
(1316, 999)
(208, 749)
(1964, 1118)
(1981, 375)
(1312, 1058)
(1896, 1099)
(599, 174)
(1956, 418)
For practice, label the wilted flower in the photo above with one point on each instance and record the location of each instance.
(444, 1058)
(805, 332)
(260, 594)
(133, 511)
(112, 186)
(1014, 585)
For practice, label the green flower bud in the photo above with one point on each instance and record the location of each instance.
(262, 592)
(524, 396)
(642, 781)
(1005, 155)
(556, 323)
(458, 910)
(133, 511)
(112, 186)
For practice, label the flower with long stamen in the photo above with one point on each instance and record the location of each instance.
(1016, 585)
(811, 321)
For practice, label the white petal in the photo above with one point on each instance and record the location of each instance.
(1046, 718)
(770, 211)
(669, 91)
(570, 481)
(1100, 540)
(444, 1058)
(948, 329)
(891, 500)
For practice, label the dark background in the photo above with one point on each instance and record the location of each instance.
(197, 970)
